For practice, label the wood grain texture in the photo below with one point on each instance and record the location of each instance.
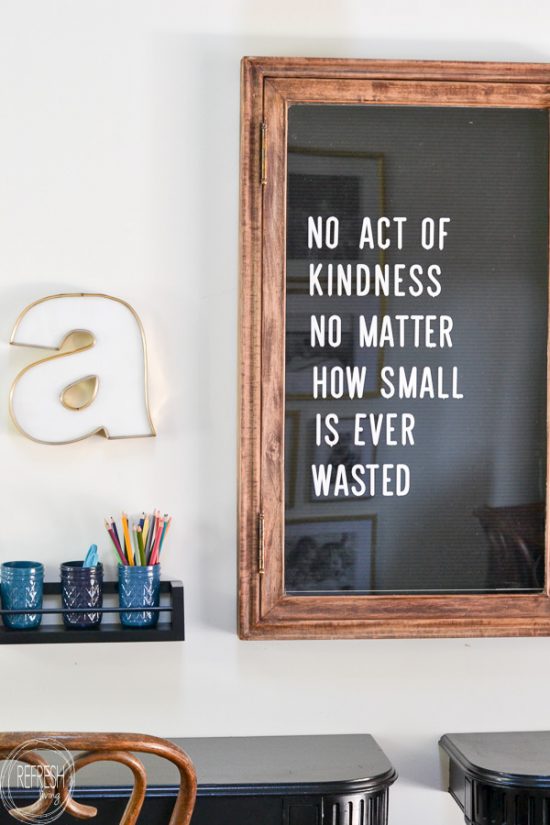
(328, 67)
(117, 747)
(270, 85)
(250, 348)
(273, 346)
(413, 93)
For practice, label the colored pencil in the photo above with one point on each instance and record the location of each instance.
(140, 545)
(113, 526)
(154, 554)
(116, 543)
(145, 530)
(129, 551)
(143, 538)
(167, 521)
(151, 536)
(135, 548)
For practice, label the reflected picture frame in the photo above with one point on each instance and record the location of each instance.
(330, 554)
(346, 452)
(300, 355)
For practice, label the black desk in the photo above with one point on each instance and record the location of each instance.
(500, 778)
(280, 780)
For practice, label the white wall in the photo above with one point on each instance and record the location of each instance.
(119, 173)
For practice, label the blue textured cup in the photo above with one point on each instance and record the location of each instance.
(139, 587)
(21, 587)
(81, 587)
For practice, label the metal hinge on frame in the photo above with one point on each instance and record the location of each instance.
(261, 551)
(263, 153)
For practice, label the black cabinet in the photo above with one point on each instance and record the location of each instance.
(279, 780)
(500, 778)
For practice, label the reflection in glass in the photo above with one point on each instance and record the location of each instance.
(472, 516)
(330, 554)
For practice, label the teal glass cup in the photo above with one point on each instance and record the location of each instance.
(22, 588)
(139, 587)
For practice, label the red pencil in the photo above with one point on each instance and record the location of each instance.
(155, 551)
(116, 543)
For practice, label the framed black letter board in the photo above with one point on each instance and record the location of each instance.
(394, 306)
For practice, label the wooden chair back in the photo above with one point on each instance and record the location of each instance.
(97, 747)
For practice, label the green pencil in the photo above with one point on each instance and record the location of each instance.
(139, 532)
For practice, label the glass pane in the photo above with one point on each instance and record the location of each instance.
(416, 328)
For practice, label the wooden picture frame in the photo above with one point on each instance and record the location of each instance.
(269, 86)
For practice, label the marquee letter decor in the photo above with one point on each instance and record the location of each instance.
(96, 382)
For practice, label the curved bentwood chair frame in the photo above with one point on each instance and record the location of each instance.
(56, 788)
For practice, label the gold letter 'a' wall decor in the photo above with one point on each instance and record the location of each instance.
(96, 382)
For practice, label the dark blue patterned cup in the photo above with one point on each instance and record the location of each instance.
(139, 587)
(81, 587)
(22, 587)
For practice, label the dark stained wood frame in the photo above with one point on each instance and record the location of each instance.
(269, 86)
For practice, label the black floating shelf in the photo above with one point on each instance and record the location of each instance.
(171, 630)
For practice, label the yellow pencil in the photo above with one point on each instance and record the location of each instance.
(129, 550)
(145, 530)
